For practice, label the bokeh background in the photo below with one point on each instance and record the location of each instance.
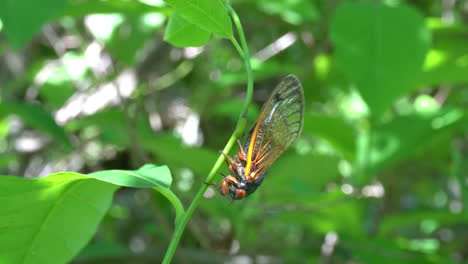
(379, 174)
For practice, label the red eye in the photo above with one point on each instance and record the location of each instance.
(240, 193)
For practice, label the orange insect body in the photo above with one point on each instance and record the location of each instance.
(279, 124)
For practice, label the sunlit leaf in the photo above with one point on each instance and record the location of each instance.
(48, 220)
(181, 33)
(210, 15)
(381, 49)
(147, 176)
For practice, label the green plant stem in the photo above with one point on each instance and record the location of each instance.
(174, 200)
(244, 53)
(240, 127)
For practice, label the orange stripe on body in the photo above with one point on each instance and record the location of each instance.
(251, 148)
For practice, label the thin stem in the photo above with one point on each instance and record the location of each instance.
(241, 123)
(174, 200)
(246, 56)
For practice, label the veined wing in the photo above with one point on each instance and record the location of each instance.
(279, 124)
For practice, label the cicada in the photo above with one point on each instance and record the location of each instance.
(278, 125)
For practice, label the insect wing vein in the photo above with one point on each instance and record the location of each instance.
(279, 124)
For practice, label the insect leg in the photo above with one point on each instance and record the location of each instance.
(223, 189)
(228, 159)
(241, 148)
(225, 183)
(241, 156)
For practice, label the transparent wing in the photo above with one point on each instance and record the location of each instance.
(279, 124)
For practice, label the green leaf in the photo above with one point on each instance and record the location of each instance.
(381, 49)
(181, 33)
(22, 19)
(156, 177)
(336, 131)
(38, 118)
(406, 135)
(210, 15)
(447, 61)
(49, 220)
(147, 176)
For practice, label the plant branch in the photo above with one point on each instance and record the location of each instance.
(174, 200)
(241, 124)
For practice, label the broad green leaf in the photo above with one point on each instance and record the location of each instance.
(156, 177)
(49, 220)
(181, 33)
(22, 19)
(38, 118)
(147, 176)
(210, 15)
(334, 130)
(381, 49)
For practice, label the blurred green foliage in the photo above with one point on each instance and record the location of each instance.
(379, 174)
